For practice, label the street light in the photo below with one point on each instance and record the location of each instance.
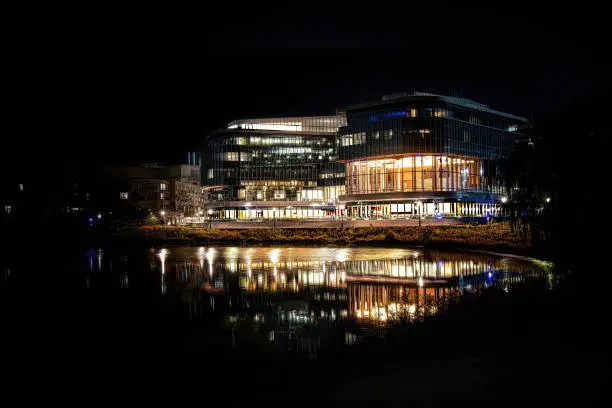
(504, 199)
(210, 211)
(548, 199)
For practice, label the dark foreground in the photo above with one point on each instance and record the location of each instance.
(531, 345)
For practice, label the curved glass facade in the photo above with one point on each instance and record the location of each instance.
(418, 173)
(425, 148)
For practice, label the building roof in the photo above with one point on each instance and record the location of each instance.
(407, 96)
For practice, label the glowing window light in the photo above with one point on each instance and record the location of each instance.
(288, 127)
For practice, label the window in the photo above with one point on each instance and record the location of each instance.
(387, 115)
(231, 156)
(8, 209)
(211, 173)
(123, 196)
(440, 113)
(353, 139)
(162, 186)
(20, 187)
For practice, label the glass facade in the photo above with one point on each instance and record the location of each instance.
(408, 154)
(416, 173)
(424, 148)
(282, 162)
(308, 124)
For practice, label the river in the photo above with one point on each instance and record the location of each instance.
(283, 299)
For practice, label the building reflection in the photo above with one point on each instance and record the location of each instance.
(282, 296)
(295, 297)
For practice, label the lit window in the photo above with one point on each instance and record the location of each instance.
(231, 156)
(20, 187)
(123, 196)
(8, 209)
(162, 186)
(440, 113)
(346, 140)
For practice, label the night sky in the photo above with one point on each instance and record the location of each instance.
(129, 92)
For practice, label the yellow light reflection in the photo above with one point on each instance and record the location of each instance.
(274, 255)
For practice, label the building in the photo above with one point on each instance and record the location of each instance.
(274, 168)
(424, 154)
(174, 192)
(409, 154)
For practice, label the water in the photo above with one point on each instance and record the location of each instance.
(254, 300)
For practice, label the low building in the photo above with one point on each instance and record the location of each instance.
(172, 192)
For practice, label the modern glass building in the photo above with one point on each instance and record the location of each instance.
(424, 154)
(274, 168)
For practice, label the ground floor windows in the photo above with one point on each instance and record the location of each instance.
(280, 213)
(383, 210)
(424, 209)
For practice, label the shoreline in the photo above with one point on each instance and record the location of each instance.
(494, 238)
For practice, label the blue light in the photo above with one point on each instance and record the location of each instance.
(490, 274)
(386, 115)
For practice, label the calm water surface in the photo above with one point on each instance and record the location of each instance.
(281, 298)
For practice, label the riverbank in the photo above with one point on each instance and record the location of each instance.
(498, 237)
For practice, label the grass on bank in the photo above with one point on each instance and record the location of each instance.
(498, 235)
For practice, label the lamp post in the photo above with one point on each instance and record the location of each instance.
(274, 218)
(210, 211)
(419, 204)
(503, 200)
(341, 208)
(163, 214)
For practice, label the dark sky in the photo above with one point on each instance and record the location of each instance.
(128, 91)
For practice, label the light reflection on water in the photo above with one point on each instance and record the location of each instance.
(288, 295)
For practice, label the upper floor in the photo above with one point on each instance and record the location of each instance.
(427, 123)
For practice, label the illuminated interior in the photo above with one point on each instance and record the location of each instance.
(417, 173)
(313, 124)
